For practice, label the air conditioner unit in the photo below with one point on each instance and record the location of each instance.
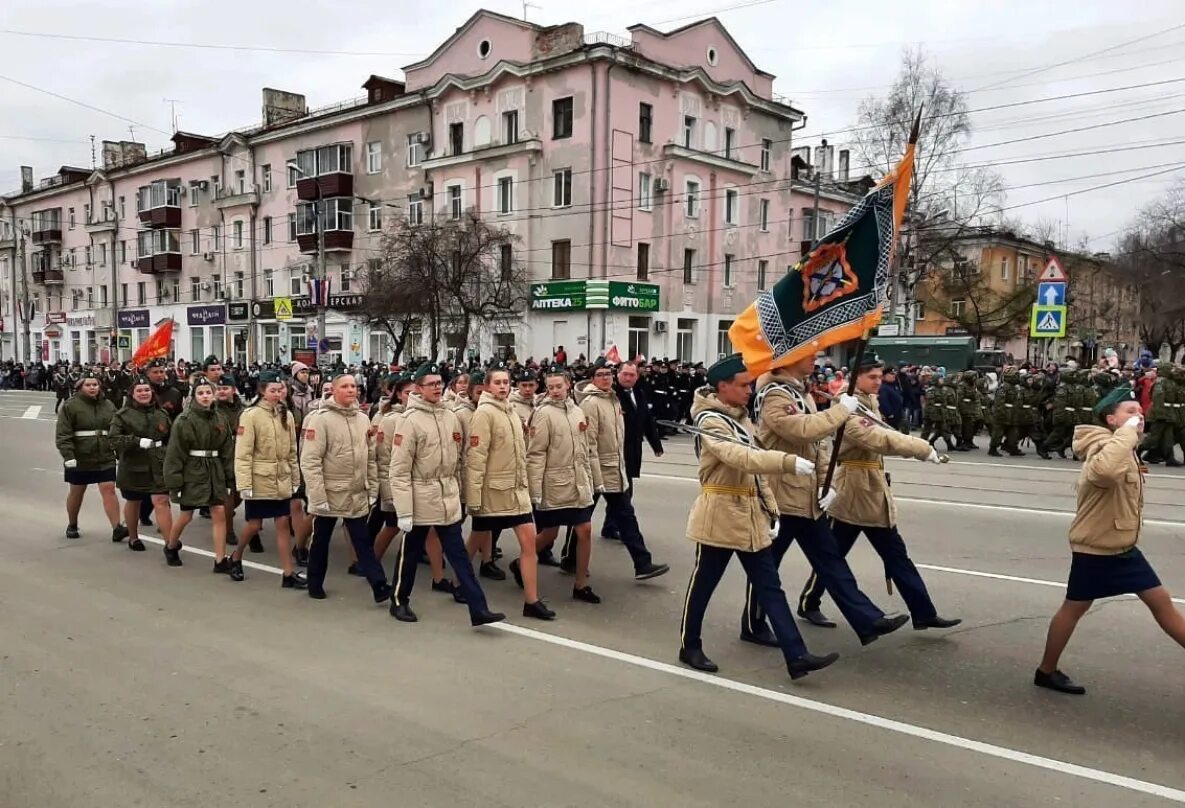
(205, 286)
(203, 184)
(208, 256)
(426, 191)
(662, 184)
(660, 327)
(225, 294)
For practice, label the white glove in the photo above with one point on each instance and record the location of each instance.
(146, 443)
(406, 523)
(1135, 422)
(803, 467)
(773, 530)
(71, 464)
(247, 493)
(850, 403)
(933, 457)
(825, 499)
(535, 503)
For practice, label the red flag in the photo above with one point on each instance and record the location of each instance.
(611, 354)
(155, 346)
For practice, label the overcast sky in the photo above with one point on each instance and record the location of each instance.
(826, 56)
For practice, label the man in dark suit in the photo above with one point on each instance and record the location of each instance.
(639, 422)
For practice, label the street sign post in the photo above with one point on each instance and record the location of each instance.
(1048, 322)
(1051, 294)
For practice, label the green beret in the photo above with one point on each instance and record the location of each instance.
(524, 375)
(476, 377)
(869, 361)
(201, 381)
(557, 368)
(228, 380)
(268, 376)
(602, 362)
(159, 362)
(427, 369)
(392, 378)
(725, 369)
(210, 360)
(1107, 404)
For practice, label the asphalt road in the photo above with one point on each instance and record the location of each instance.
(127, 683)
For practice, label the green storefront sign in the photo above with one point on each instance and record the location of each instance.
(593, 294)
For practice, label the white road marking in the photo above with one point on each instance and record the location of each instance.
(32, 412)
(949, 504)
(1014, 578)
(823, 708)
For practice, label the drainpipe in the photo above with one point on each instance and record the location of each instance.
(607, 185)
(592, 180)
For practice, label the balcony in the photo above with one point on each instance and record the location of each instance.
(158, 251)
(47, 233)
(326, 171)
(249, 197)
(326, 185)
(712, 159)
(159, 263)
(533, 146)
(335, 241)
(104, 224)
(48, 277)
(159, 204)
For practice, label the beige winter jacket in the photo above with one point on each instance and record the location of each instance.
(787, 420)
(384, 436)
(559, 456)
(607, 425)
(523, 407)
(426, 462)
(862, 491)
(337, 458)
(1110, 491)
(265, 453)
(735, 507)
(496, 461)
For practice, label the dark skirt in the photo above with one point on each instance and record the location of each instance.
(77, 476)
(492, 523)
(259, 509)
(140, 496)
(1105, 576)
(563, 517)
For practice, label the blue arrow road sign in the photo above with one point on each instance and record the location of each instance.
(1051, 294)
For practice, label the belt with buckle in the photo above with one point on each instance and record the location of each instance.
(203, 453)
(90, 433)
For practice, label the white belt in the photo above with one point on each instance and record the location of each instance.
(951, 407)
(1086, 409)
(90, 433)
(966, 399)
(156, 444)
(203, 453)
(1070, 409)
(1007, 405)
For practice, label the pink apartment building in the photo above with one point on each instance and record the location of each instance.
(652, 184)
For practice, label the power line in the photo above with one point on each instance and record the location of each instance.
(203, 45)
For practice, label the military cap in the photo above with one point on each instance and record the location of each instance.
(228, 380)
(524, 374)
(726, 368)
(141, 379)
(426, 369)
(267, 377)
(200, 381)
(477, 377)
(602, 362)
(87, 374)
(210, 360)
(556, 368)
(334, 375)
(1107, 404)
(391, 378)
(498, 364)
(159, 362)
(869, 361)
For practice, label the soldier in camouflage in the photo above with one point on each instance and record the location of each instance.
(1006, 427)
(970, 408)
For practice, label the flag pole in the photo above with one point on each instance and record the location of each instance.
(860, 347)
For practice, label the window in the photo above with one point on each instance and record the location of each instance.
(723, 343)
(762, 268)
(763, 215)
(374, 157)
(374, 217)
(103, 255)
(215, 187)
(729, 263)
(506, 261)
(216, 237)
(123, 211)
(456, 138)
(689, 266)
(731, 204)
(86, 213)
(562, 180)
(346, 277)
(269, 283)
(919, 310)
(159, 194)
(295, 285)
(241, 182)
(766, 146)
(140, 291)
(176, 291)
(90, 297)
(291, 227)
(415, 150)
(645, 192)
(454, 201)
(71, 215)
(194, 194)
(415, 211)
(217, 281)
(265, 177)
(292, 175)
(685, 339)
(238, 289)
(195, 289)
(123, 251)
(639, 336)
(957, 307)
(510, 126)
(808, 224)
(197, 342)
(160, 291)
(730, 142)
(195, 242)
(688, 132)
(89, 259)
(103, 296)
(645, 122)
(267, 229)
(691, 198)
(561, 116)
(336, 214)
(505, 195)
(1003, 269)
(123, 294)
(561, 260)
(238, 234)
(643, 261)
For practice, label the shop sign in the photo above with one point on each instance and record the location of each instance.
(237, 312)
(132, 318)
(558, 296)
(206, 315)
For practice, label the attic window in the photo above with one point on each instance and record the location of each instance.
(712, 56)
(483, 48)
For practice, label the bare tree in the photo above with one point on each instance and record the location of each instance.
(961, 292)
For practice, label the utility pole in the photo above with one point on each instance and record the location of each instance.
(818, 176)
(26, 313)
(113, 332)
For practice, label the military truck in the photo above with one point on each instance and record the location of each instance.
(953, 353)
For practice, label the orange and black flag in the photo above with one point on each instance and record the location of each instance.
(838, 291)
(156, 346)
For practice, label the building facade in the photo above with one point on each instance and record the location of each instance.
(651, 183)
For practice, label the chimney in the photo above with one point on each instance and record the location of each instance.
(26, 179)
(133, 152)
(281, 107)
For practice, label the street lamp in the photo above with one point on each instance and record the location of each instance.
(321, 273)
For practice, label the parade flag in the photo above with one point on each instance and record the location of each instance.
(838, 290)
(319, 291)
(156, 346)
(612, 355)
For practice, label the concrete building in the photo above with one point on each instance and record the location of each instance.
(651, 182)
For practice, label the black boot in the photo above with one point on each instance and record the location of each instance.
(485, 618)
(585, 594)
(236, 570)
(492, 571)
(807, 663)
(119, 533)
(697, 659)
(762, 636)
(403, 613)
(223, 566)
(538, 610)
(886, 625)
(816, 618)
(255, 545)
(294, 581)
(173, 555)
(936, 622)
(1058, 681)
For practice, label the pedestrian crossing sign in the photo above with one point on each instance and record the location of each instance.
(1048, 322)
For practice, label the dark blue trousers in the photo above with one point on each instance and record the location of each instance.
(762, 574)
(454, 550)
(359, 537)
(619, 511)
(831, 572)
(898, 568)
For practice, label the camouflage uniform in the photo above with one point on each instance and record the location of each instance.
(1065, 417)
(1006, 429)
(970, 410)
(1162, 419)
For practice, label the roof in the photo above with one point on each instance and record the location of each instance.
(463, 28)
(706, 21)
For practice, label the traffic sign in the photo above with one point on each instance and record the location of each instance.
(1048, 322)
(283, 308)
(1051, 294)
(1054, 272)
